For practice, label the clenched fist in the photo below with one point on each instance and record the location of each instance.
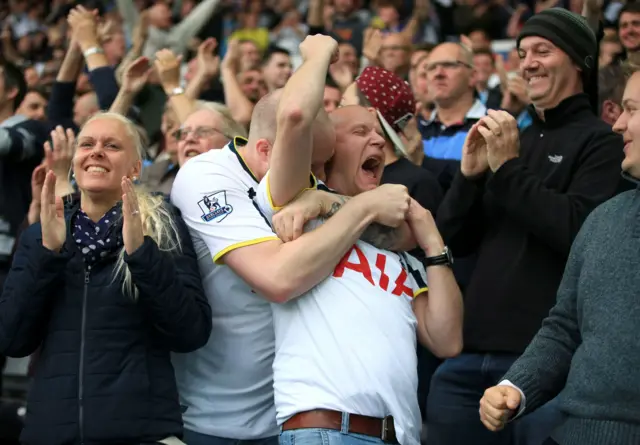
(498, 405)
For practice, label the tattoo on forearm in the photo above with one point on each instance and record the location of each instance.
(378, 235)
(334, 209)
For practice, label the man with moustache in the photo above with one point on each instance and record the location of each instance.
(518, 201)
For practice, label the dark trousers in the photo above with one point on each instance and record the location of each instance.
(550, 441)
(454, 402)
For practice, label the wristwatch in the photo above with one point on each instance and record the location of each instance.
(176, 91)
(444, 259)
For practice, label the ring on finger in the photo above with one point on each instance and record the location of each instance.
(135, 212)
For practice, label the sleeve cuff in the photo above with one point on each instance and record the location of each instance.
(523, 399)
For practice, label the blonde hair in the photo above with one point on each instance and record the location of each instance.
(157, 221)
(230, 128)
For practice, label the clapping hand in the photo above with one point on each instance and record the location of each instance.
(208, 62)
(54, 228)
(474, 153)
(83, 25)
(168, 68)
(136, 75)
(500, 132)
(58, 159)
(132, 234)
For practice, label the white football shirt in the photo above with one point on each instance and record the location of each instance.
(349, 344)
(226, 387)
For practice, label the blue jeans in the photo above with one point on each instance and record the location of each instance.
(193, 438)
(454, 402)
(319, 436)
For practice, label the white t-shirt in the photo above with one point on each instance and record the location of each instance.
(226, 386)
(349, 344)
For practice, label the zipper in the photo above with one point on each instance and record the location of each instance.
(81, 371)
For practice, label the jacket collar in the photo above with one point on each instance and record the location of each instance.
(571, 109)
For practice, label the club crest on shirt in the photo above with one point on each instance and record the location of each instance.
(215, 207)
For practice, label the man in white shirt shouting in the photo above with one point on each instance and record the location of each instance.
(345, 364)
(226, 387)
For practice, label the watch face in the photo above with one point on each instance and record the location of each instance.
(447, 252)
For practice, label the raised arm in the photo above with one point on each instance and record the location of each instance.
(300, 104)
(191, 25)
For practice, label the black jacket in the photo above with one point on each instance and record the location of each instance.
(104, 375)
(521, 222)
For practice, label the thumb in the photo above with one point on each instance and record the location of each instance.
(512, 396)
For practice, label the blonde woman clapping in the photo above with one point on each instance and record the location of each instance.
(109, 287)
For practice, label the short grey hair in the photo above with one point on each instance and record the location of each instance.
(230, 128)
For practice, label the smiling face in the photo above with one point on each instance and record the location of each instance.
(628, 125)
(629, 30)
(105, 152)
(358, 159)
(549, 72)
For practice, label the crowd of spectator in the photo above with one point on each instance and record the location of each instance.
(175, 274)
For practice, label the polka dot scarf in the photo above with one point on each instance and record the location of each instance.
(98, 240)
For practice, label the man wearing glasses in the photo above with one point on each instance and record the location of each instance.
(451, 80)
(204, 130)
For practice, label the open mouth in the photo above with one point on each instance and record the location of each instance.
(371, 167)
(96, 169)
(532, 80)
(190, 153)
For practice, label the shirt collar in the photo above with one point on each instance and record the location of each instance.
(477, 111)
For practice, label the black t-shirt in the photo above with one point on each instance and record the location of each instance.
(422, 184)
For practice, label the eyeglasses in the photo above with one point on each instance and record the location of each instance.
(395, 47)
(199, 132)
(447, 65)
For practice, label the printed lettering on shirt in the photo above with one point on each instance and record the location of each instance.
(362, 266)
(215, 207)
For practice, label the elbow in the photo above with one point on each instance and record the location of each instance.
(194, 340)
(450, 350)
(280, 289)
(278, 293)
(292, 115)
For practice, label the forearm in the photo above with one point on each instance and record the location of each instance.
(133, 54)
(315, 18)
(299, 107)
(190, 26)
(196, 86)
(95, 60)
(122, 103)
(241, 108)
(183, 106)
(171, 293)
(305, 262)
(440, 321)
(71, 65)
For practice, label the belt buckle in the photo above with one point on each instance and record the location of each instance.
(385, 428)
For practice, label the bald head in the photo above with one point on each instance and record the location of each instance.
(264, 117)
(350, 114)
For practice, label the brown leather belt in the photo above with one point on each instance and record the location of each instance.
(332, 420)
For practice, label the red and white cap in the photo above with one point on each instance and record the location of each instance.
(391, 97)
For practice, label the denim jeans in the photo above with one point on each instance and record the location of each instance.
(454, 402)
(193, 438)
(319, 436)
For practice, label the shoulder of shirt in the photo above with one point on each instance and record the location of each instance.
(210, 163)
